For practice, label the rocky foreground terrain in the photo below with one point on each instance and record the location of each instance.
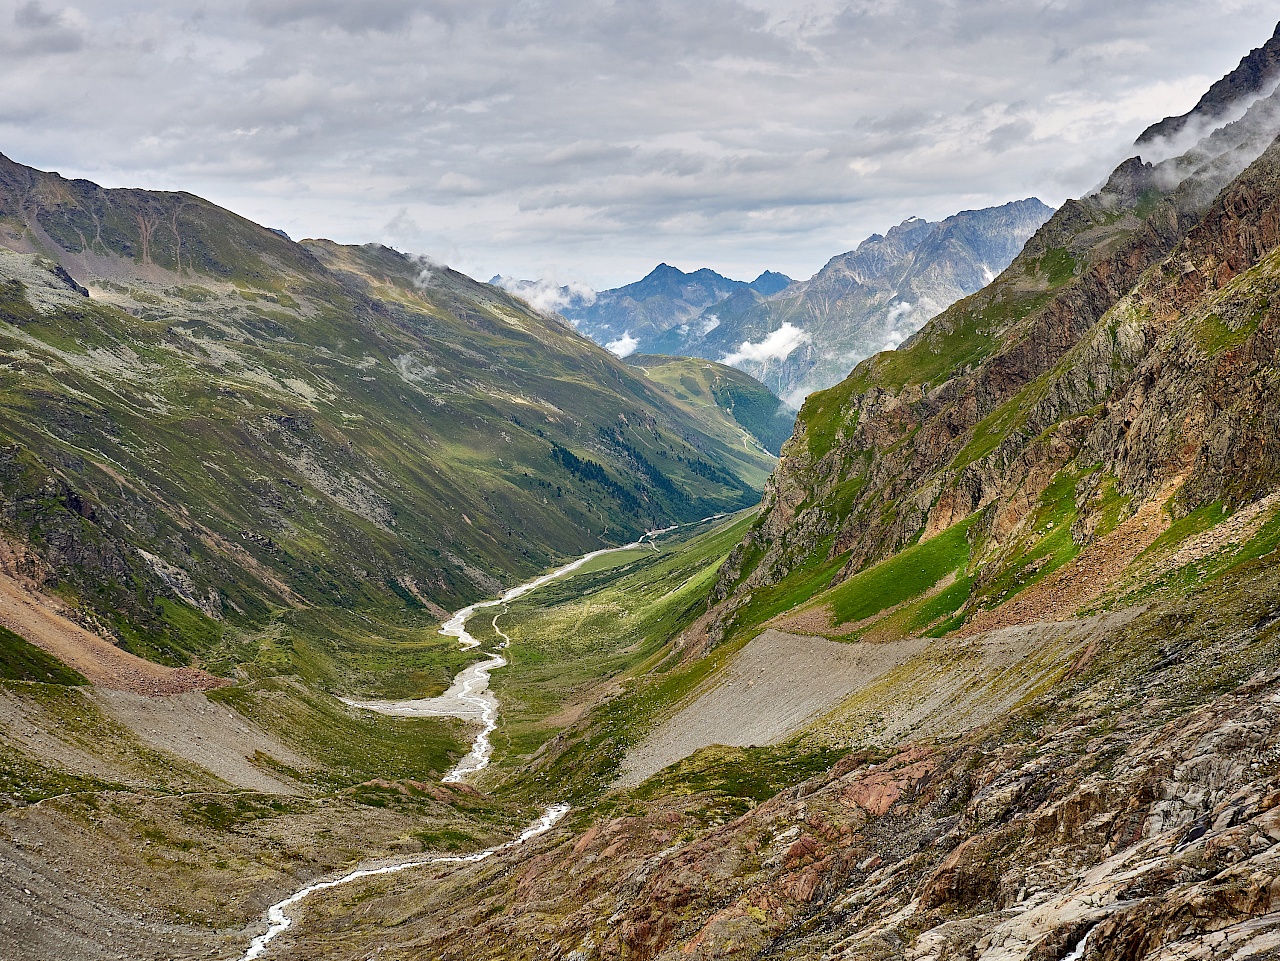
(1134, 802)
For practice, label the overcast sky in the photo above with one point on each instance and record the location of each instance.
(580, 139)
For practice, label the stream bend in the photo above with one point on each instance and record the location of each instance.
(470, 699)
(279, 921)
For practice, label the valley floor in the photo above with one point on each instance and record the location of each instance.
(995, 794)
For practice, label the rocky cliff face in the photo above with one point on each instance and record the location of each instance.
(1092, 354)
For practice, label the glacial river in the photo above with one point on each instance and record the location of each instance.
(470, 699)
(469, 696)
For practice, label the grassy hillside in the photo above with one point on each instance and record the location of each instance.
(231, 428)
(718, 393)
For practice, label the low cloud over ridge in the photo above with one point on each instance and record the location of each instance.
(624, 346)
(777, 346)
(546, 295)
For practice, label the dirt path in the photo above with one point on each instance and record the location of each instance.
(46, 622)
(770, 689)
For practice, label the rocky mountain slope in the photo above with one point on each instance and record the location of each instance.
(1076, 384)
(1125, 810)
(205, 422)
(809, 335)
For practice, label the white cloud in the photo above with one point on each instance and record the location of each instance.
(624, 346)
(777, 346)
(427, 268)
(457, 183)
(794, 399)
(546, 295)
(548, 132)
(898, 312)
(903, 319)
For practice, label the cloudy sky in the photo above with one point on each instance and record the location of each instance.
(588, 139)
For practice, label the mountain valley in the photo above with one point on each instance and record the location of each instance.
(978, 660)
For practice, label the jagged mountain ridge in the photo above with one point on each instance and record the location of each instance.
(809, 334)
(664, 298)
(799, 336)
(211, 421)
(1257, 73)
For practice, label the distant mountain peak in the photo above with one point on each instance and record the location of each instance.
(770, 282)
(798, 336)
(664, 298)
(808, 334)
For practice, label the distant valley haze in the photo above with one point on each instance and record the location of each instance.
(587, 142)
